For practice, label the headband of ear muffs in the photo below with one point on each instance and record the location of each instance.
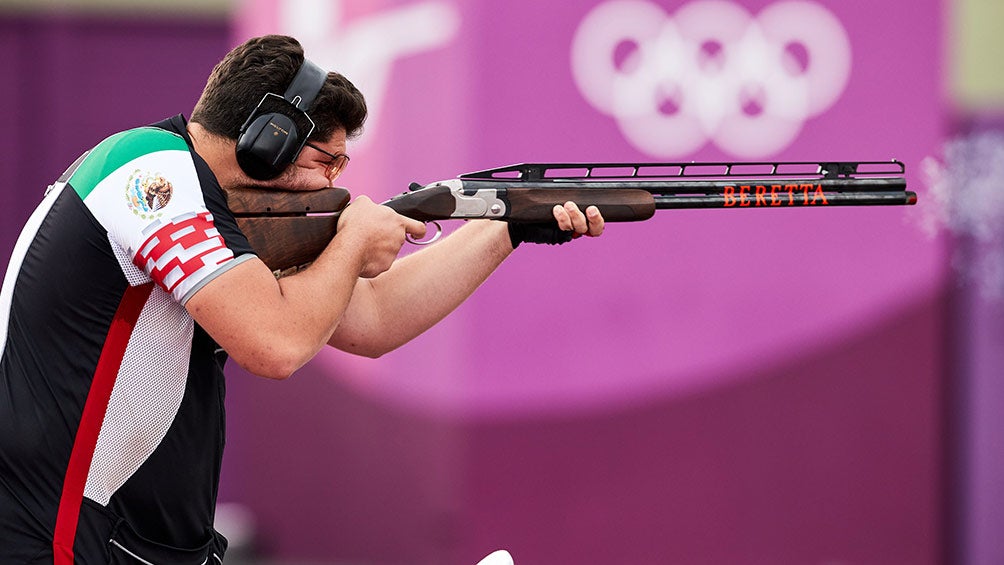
(270, 141)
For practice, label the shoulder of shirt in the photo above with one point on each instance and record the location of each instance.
(120, 149)
(142, 140)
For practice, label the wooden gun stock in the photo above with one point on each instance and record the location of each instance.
(287, 228)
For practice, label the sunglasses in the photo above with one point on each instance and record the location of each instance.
(337, 163)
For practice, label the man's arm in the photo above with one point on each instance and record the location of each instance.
(421, 289)
(355, 296)
(272, 327)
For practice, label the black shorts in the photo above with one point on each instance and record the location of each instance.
(105, 539)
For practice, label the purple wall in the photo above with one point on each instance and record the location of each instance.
(832, 458)
(810, 432)
(978, 428)
(70, 81)
(976, 393)
(828, 460)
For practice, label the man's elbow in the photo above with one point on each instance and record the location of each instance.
(365, 348)
(273, 363)
(277, 373)
(273, 371)
(368, 352)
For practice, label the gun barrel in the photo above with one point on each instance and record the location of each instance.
(717, 185)
(785, 198)
(691, 170)
(777, 193)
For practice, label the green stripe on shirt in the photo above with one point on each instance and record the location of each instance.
(118, 150)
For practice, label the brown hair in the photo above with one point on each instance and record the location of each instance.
(268, 64)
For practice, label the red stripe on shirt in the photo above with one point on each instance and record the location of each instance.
(93, 416)
(169, 244)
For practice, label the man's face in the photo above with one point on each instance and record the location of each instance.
(316, 167)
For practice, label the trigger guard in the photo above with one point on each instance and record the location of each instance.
(439, 232)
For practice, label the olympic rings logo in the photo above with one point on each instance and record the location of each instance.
(711, 72)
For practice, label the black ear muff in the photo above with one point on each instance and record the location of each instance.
(267, 146)
(270, 139)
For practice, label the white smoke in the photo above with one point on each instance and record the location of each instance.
(966, 194)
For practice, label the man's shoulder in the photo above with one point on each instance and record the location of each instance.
(147, 147)
(132, 143)
(166, 135)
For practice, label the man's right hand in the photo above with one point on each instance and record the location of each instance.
(377, 232)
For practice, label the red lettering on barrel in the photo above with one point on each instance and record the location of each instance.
(760, 191)
(791, 193)
(774, 200)
(819, 195)
(744, 193)
(805, 193)
(730, 196)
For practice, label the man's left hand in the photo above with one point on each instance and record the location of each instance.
(570, 218)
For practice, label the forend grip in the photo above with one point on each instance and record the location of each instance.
(532, 205)
(287, 228)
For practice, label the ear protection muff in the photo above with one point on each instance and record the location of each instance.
(270, 141)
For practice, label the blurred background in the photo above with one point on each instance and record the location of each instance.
(759, 386)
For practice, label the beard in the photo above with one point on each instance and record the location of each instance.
(294, 178)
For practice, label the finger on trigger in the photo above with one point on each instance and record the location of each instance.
(415, 228)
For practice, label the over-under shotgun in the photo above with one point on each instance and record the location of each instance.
(289, 229)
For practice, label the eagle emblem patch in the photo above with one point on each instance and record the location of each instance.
(147, 194)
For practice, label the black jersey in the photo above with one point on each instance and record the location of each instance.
(111, 397)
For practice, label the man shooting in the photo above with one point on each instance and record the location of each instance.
(132, 283)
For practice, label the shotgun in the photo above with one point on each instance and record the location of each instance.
(291, 228)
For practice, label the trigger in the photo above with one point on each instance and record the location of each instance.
(439, 232)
